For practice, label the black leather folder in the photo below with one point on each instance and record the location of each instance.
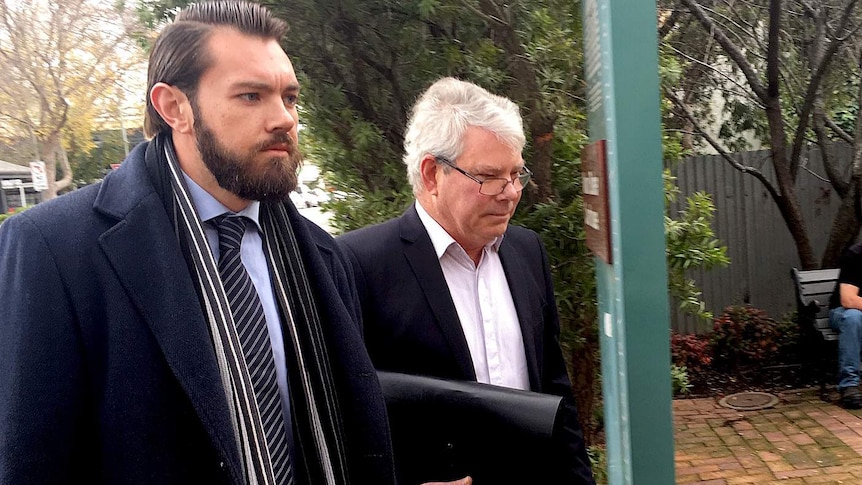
(444, 430)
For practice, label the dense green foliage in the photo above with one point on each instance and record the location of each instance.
(599, 463)
(691, 243)
(679, 381)
(11, 213)
(362, 64)
(92, 164)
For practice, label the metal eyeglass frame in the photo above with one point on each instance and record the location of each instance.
(523, 178)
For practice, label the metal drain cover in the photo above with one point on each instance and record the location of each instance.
(749, 401)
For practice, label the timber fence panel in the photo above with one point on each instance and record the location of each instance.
(748, 222)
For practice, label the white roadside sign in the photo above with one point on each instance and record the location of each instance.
(40, 178)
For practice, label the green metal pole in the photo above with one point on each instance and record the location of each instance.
(621, 56)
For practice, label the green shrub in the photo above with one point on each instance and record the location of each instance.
(679, 380)
(599, 463)
(690, 242)
(692, 352)
(743, 336)
(352, 211)
(788, 338)
(11, 213)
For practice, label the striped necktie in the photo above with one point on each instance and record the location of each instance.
(253, 335)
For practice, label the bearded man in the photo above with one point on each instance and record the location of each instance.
(180, 322)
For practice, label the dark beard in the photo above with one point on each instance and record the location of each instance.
(240, 175)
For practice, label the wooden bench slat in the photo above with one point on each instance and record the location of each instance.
(818, 288)
(818, 274)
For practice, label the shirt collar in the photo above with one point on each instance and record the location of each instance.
(209, 208)
(440, 239)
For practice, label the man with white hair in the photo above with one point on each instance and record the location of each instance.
(451, 290)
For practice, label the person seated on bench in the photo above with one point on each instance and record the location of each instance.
(845, 317)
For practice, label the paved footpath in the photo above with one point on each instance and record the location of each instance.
(800, 441)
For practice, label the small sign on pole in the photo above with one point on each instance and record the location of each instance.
(40, 178)
(594, 174)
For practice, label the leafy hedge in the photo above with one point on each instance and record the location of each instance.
(11, 213)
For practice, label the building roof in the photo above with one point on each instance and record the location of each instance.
(8, 169)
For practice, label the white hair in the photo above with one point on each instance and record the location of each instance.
(442, 115)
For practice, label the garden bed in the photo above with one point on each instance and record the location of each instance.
(710, 382)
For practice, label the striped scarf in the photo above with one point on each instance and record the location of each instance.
(318, 428)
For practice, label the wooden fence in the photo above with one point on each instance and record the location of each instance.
(748, 222)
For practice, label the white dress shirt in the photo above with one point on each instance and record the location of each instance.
(485, 308)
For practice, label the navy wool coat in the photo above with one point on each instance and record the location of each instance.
(107, 371)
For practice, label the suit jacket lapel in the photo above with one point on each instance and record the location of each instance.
(423, 261)
(148, 261)
(526, 301)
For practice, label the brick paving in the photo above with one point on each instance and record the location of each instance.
(802, 440)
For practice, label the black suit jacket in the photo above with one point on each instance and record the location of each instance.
(411, 326)
(107, 370)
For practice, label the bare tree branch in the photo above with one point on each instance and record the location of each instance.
(57, 57)
(743, 91)
(686, 112)
(482, 15)
(834, 177)
(821, 65)
(732, 50)
(838, 131)
(736, 29)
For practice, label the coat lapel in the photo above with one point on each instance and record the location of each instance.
(423, 261)
(527, 301)
(145, 253)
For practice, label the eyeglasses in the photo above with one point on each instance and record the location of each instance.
(493, 185)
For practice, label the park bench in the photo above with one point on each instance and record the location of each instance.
(817, 341)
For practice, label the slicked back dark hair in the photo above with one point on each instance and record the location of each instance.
(180, 55)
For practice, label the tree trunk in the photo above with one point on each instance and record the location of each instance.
(687, 135)
(542, 137)
(49, 155)
(526, 91)
(54, 154)
(585, 361)
(788, 206)
(846, 225)
(845, 228)
(787, 203)
(63, 160)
